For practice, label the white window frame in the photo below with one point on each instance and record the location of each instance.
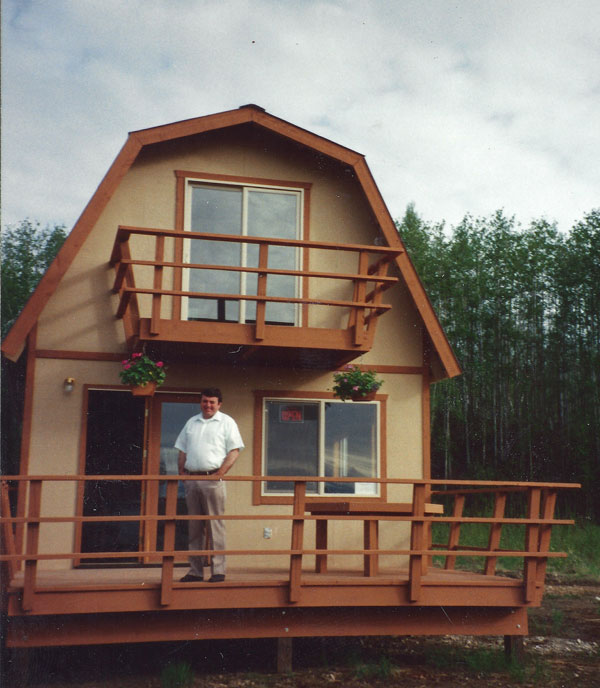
(370, 490)
(190, 183)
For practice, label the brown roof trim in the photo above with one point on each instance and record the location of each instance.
(13, 344)
(15, 340)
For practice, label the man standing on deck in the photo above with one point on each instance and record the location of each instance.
(209, 445)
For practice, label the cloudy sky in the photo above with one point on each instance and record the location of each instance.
(460, 106)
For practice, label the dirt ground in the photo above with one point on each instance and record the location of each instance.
(563, 649)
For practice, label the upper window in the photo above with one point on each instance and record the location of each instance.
(324, 438)
(247, 211)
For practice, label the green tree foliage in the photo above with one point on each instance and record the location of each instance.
(27, 251)
(521, 308)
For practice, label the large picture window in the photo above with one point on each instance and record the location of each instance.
(324, 438)
(240, 210)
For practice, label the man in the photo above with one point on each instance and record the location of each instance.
(209, 444)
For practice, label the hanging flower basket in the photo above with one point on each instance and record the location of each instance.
(368, 396)
(355, 384)
(146, 390)
(142, 374)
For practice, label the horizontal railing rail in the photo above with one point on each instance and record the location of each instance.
(418, 514)
(363, 307)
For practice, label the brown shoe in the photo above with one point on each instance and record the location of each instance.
(216, 578)
(191, 578)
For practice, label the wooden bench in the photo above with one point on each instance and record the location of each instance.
(370, 513)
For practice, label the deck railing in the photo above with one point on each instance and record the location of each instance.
(537, 522)
(364, 307)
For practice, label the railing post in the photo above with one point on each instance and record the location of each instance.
(360, 294)
(32, 543)
(261, 290)
(531, 544)
(8, 533)
(371, 540)
(495, 533)
(166, 585)
(454, 531)
(417, 542)
(548, 504)
(380, 269)
(297, 540)
(158, 283)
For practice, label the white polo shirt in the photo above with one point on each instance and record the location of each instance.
(207, 441)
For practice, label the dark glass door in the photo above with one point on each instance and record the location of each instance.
(114, 446)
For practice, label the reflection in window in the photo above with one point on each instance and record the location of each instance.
(242, 211)
(321, 438)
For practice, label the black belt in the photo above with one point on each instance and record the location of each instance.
(203, 472)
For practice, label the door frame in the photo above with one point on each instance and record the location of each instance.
(152, 451)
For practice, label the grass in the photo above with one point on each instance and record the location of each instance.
(178, 675)
(484, 661)
(580, 542)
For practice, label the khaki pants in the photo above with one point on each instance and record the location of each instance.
(207, 498)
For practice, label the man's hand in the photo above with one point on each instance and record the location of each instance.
(230, 459)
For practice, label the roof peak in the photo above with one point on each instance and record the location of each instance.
(253, 106)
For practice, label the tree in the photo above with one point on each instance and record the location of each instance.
(27, 251)
(521, 308)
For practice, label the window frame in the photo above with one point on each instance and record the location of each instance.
(184, 182)
(258, 497)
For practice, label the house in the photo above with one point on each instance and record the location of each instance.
(251, 254)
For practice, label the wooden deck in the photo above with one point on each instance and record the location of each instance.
(139, 589)
(121, 603)
(89, 606)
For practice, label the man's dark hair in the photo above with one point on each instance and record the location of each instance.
(212, 392)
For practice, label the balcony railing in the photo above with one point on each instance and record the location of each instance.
(363, 304)
(419, 514)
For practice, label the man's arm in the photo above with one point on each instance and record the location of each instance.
(181, 462)
(230, 459)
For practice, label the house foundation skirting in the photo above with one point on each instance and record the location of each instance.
(168, 626)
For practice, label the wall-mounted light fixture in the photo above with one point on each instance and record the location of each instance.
(68, 384)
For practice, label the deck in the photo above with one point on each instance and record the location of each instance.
(121, 603)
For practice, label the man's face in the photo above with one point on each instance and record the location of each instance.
(209, 406)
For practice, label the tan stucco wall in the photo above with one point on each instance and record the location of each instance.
(80, 317)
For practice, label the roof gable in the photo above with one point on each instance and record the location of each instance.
(137, 140)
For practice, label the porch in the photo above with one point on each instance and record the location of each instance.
(410, 594)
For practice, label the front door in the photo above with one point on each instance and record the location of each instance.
(113, 446)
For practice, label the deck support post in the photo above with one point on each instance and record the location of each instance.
(514, 648)
(284, 655)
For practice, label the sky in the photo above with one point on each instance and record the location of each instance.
(460, 107)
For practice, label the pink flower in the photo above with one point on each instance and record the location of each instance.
(136, 355)
(127, 366)
(159, 364)
(355, 388)
(125, 362)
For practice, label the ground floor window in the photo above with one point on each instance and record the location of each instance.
(321, 437)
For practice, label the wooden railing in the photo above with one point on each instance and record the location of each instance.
(364, 307)
(540, 497)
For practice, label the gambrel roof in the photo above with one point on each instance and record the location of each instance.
(137, 140)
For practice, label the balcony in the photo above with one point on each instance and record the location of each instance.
(283, 591)
(329, 319)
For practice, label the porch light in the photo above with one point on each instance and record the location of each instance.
(69, 384)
